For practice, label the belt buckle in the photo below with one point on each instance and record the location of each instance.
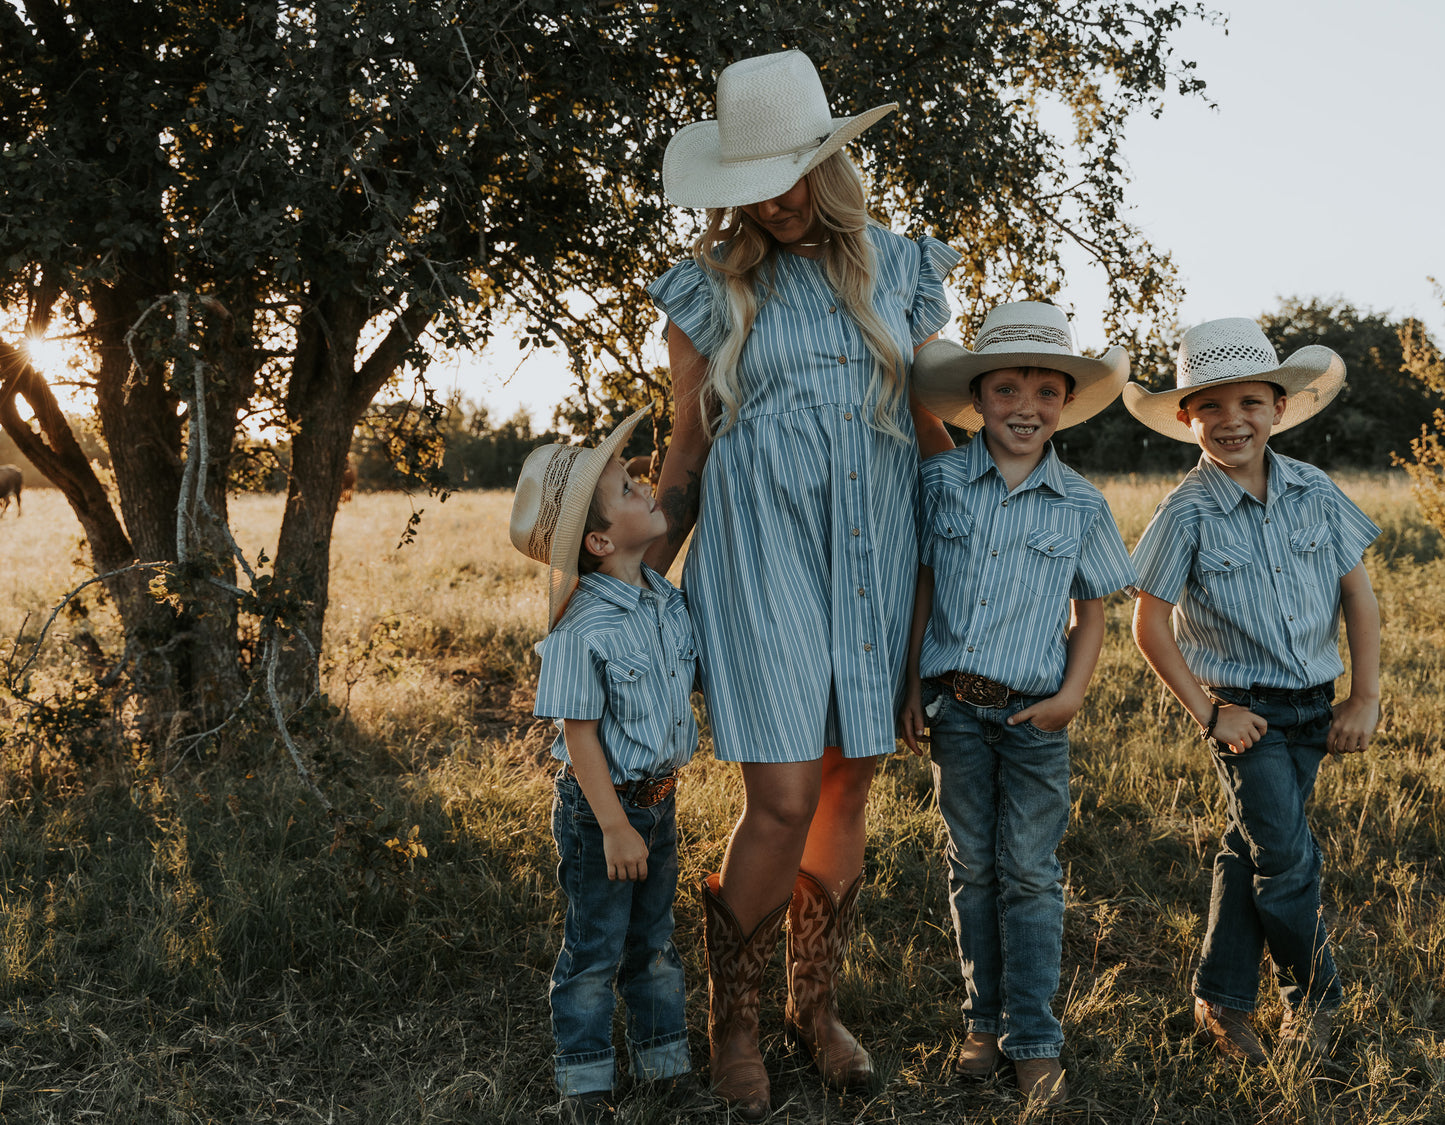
(652, 790)
(968, 687)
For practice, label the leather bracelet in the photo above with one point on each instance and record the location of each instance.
(1207, 732)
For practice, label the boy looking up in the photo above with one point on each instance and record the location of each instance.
(1244, 572)
(1017, 554)
(618, 666)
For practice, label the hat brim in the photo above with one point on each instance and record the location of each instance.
(943, 370)
(567, 536)
(695, 175)
(1311, 379)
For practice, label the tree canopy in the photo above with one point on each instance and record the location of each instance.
(266, 211)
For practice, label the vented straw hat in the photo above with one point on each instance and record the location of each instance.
(549, 509)
(1236, 350)
(773, 126)
(1017, 334)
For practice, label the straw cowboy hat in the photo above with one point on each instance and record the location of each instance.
(773, 126)
(1017, 334)
(1236, 350)
(549, 510)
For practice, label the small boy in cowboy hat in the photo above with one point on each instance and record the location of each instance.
(1244, 572)
(618, 666)
(1017, 554)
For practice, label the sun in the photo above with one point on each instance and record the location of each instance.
(50, 357)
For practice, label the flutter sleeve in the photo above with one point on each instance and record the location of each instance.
(929, 311)
(689, 297)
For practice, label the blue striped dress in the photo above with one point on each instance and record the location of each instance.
(802, 567)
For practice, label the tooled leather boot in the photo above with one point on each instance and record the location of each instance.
(735, 965)
(819, 931)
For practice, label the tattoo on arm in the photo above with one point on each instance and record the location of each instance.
(681, 506)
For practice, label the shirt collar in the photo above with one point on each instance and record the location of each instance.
(622, 594)
(1048, 473)
(1229, 494)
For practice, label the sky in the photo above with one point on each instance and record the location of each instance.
(1321, 173)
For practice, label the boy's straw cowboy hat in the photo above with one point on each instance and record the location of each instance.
(549, 509)
(1017, 334)
(1236, 350)
(773, 126)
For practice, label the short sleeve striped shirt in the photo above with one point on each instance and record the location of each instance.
(625, 656)
(1255, 586)
(1006, 565)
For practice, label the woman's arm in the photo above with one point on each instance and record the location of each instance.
(932, 437)
(679, 485)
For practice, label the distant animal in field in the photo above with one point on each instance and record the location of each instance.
(348, 480)
(642, 467)
(9, 486)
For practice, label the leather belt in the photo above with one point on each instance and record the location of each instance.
(970, 687)
(643, 792)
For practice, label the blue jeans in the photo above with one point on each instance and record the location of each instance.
(1267, 872)
(615, 933)
(1004, 795)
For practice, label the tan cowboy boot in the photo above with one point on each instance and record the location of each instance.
(735, 967)
(818, 934)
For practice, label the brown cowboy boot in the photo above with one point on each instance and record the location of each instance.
(735, 967)
(818, 934)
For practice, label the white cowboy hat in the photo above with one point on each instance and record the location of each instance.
(773, 126)
(1016, 334)
(549, 510)
(1236, 350)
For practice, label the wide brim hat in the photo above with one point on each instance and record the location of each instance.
(549, 510)
(773, 126)
(1236, 350)
(1016, 334)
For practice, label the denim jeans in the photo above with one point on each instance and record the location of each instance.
(1267, 872)
(616, 933)
(1004, 795)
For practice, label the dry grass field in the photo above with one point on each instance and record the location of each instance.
(189, 939)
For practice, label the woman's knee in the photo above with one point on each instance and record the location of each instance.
(782, 799)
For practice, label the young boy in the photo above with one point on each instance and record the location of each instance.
(1260, 553)
(1017, 554)
(618, 666)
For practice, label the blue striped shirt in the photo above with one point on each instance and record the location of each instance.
(801, 571)
(1006, 564)
(1256, 585)
(625, 656)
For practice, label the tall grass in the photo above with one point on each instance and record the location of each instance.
(188, 939)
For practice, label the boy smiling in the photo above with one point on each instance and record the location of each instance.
(1017, 553)
(1262, 555)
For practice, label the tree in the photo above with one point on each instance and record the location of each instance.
(1426, 462)
(264, 211)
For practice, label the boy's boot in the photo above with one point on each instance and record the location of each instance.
(1042, 1081)
(818, 934)
(735, 965)
(1229, 1031)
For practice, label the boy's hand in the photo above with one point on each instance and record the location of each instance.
(1051, 714)
(1354, 723)
(626, 853)
(912, 723)
(1238, 728)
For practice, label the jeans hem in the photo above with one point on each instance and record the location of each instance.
(585, 1074)
(1027, 1054)
(664, 1057)
(981, 1025)
(1234, 1003)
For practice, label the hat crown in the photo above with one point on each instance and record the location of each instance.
(771, 105)
(1025, 326)
(537, 505)
(1229, 349)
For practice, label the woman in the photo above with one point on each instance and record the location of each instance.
(795, 452)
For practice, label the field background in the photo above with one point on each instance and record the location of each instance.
(188, 938)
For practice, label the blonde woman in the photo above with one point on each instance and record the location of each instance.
(795, 454)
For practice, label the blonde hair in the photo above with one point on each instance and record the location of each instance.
(735, 248)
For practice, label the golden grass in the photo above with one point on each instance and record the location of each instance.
(197, 943)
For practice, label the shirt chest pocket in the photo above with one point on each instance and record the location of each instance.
(1048, 563)
(629, 682)
(1313, 557)
(952, 531)
(1224, 574)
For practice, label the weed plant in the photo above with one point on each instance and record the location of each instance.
(188, 938)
